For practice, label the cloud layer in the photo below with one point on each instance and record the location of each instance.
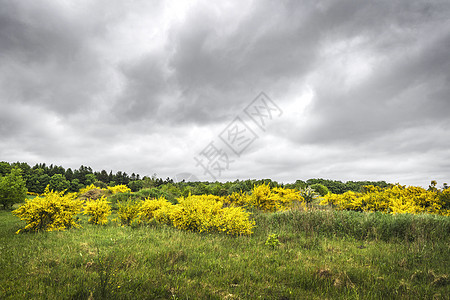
(145, 86)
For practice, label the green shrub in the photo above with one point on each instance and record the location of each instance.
(320, 189)
(122, 197)
(150, 193)
(53, 211)
(12, 189)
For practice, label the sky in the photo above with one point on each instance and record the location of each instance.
(226, 90)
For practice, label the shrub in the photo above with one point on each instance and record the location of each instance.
(98, 210)
(87, 188)
(100, 184)
(267, 199)
(121, 188)
(309, 194)
(237, 199)
(53, 211)
(158, 209)
(444, 198)
(234, 221)
(123, 197)
(128, 211)
(287, 197)
(320, 189)
(205, 213)
(195, 212)
(395, 199)
(93, 194)
(263, 198)
(12, 189)
(150, 193)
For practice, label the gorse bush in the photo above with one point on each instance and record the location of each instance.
(270, 200)
(128, 211)
(158, 209)
(52, 211)
(205, 213)
(395, 199)
(237, 199)
(234, 220)
(263, 198)
(98, 210)
(196, 212)
(121, 188)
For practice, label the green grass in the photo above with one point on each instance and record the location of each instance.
(321, 254)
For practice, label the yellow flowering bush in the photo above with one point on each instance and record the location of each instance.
(287, 196)
(395, 199)
(237, 199)
(121, 188)
(263, 198)
(128, 211)
(195, 212)
(158, 209)
(267, 199)
(98, 210)
(444, 198)
(52, 211)
(205, 213)
(234, 220)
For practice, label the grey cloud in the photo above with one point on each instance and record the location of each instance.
(408, 88)
(145, 84)
(46, 58)
(102, 76)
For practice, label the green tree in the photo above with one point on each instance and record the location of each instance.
(135, 185)
(5, 168)
(44, 180)
(58, 182)
(90, 179)
(320, 188)
(12, 189)
(75, 185)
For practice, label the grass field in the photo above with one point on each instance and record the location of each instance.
(318, 254)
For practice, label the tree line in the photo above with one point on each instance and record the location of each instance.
(39, 176)
(59, 178)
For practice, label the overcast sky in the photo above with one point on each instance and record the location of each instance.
(352, 90)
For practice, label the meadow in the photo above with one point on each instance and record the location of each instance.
(317, 253)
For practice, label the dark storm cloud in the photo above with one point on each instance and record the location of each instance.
(409, 81)
(46, 59)
(220, 62)
(141, 79)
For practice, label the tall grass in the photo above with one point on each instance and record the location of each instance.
(361, 226)
(320, 254)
